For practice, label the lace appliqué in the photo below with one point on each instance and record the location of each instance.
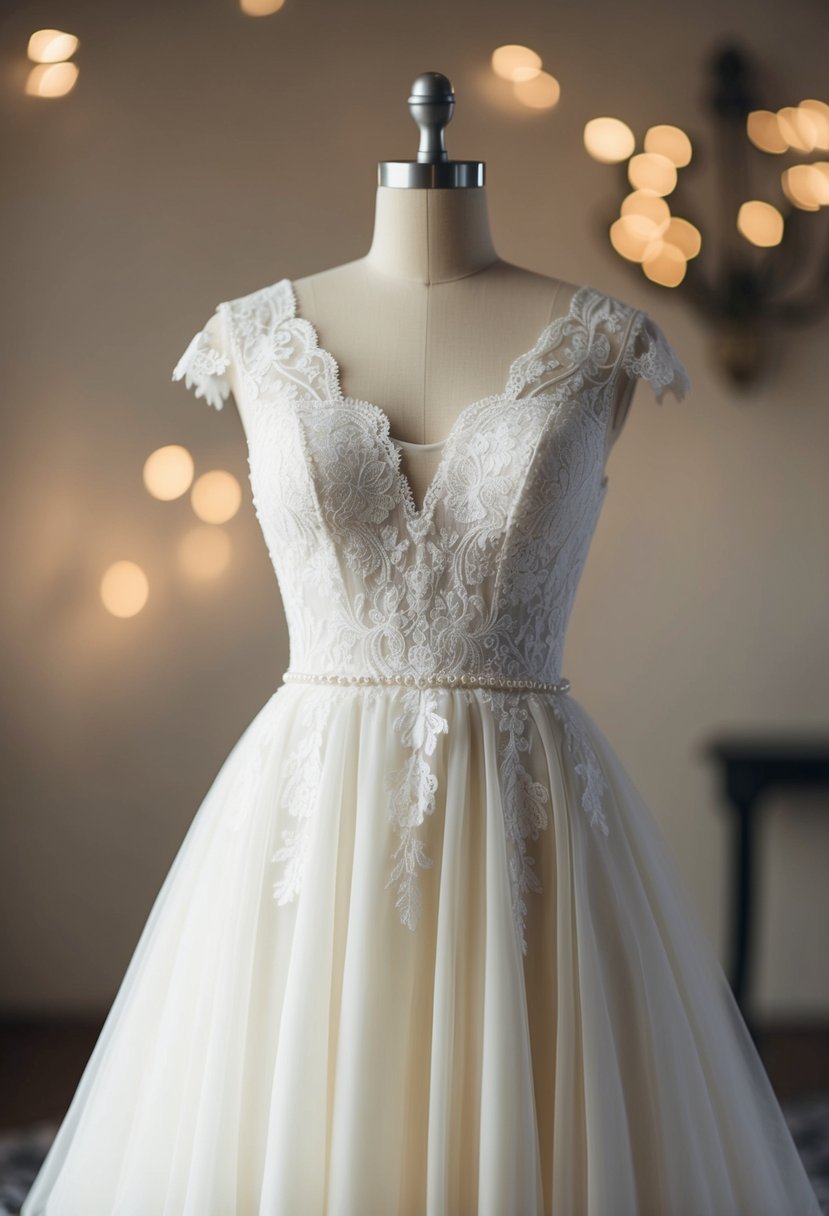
(411, 793)
(524, 802)
(649, 355)
(299, 797)
(585, 762)
(202, 366)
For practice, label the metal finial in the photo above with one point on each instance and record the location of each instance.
(431, 105)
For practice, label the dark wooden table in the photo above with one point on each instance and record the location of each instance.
(753, 766)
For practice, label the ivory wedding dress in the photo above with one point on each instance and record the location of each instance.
(422, 950)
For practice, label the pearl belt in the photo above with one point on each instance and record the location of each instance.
(438, 680)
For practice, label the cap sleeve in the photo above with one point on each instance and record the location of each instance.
(649, 356)
(204, 364)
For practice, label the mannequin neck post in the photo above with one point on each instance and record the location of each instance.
(431, 235)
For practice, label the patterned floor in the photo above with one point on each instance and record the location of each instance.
(22, 1152)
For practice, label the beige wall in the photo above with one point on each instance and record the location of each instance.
(203, 155)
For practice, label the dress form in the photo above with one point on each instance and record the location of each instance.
(431, 318)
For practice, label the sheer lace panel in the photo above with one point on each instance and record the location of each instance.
(203, 365)
(648, 355)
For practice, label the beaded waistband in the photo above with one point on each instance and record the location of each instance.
(439, 680)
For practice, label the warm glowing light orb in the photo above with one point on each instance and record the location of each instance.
(514, 62)
(51, 79)
(819, 113)
(763, 129)
(260, 8)
(798, 127)
(216, 496)
(685, 235)
(634, 236)
(51, 46)
(124, 589)
(671, 142)
(204, 552)
(539, 92)
(805, 186)
(652, 171)
(651, 209)
(666, 265)
(760, 223)
(822, 167)
(168, 472)
(818, 181)
(608, 140)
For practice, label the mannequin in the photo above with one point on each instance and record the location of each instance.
(430, 319)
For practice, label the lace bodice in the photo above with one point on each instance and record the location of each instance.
(482, 578)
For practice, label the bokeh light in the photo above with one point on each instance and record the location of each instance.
(514, 62)
(818, 111)
(539, 92)
(204, 552)
(684, 235)
(671, 142)
(124, 589)
(651, 210)
(666, 265)
(763, 130)
(798, 127)
(168, 472)
(805, 186)
(260, 8)
(51, 46)
(632, 236)
(51, 79)
(216, 496)
(652, 171)
(760, 223)
(608, 140)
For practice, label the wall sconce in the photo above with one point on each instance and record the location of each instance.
(765, 260)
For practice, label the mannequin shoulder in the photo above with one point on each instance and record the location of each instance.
(214, 333)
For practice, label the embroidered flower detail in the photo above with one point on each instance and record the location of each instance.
(395, 548)
(420, 724)
(648, 354)
(524, 803)
(411, 791)
(361, 486)
(303, 769)
(479, 485)
(586, 763)
(202, 367)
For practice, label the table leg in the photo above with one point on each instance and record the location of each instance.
(742, 905)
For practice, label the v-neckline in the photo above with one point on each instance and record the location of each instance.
(419, 517)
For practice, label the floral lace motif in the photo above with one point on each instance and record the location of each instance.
(299, 798)
(648, 355)
(480, 580)
(524, 802)
(586, 764)
(202, 367)
(411, 793)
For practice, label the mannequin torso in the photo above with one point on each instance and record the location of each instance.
(430, 319)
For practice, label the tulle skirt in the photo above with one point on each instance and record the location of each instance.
(283, 1044)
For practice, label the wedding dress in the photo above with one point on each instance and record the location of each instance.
(422, 949)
